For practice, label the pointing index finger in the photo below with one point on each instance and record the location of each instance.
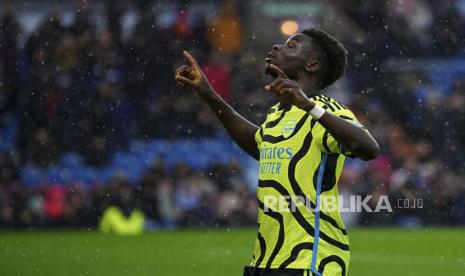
(192, 60)
(275, 71)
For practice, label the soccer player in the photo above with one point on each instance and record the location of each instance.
(301, 148)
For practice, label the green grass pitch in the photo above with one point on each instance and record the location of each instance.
(219, 252)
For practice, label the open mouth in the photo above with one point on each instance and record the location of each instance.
(271, 56)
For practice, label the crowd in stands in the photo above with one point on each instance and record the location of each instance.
(87, 90)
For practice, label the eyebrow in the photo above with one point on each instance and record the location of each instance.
(293, 38)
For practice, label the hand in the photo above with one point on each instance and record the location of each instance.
(288, 90)
(192, 76)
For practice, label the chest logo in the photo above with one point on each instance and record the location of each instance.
(288, 128)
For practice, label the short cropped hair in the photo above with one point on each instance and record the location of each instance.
(335, 52)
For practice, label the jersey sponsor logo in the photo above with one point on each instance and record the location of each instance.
(270, 167)
(289, 127)
(270, 159)
(275, 153)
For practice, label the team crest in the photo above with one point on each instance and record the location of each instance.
(288, 128)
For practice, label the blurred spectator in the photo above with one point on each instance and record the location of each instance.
(83, 89)
(55, 203)
(219, 74)
(9, 81)
(226, 31)
(115, 222)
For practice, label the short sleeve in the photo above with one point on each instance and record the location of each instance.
(259, 136)
(328, 143)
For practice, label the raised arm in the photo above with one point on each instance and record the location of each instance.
(352, 137)
(239, 128)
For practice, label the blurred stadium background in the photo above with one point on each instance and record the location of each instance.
(93, 126)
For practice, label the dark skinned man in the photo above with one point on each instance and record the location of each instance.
(301, 148)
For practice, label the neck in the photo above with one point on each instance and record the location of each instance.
(309, 85)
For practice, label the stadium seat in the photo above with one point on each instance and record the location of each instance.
(71, 160)
(31, 176)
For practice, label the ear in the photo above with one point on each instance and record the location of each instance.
(312, 65)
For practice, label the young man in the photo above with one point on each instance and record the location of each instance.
(301, 148)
